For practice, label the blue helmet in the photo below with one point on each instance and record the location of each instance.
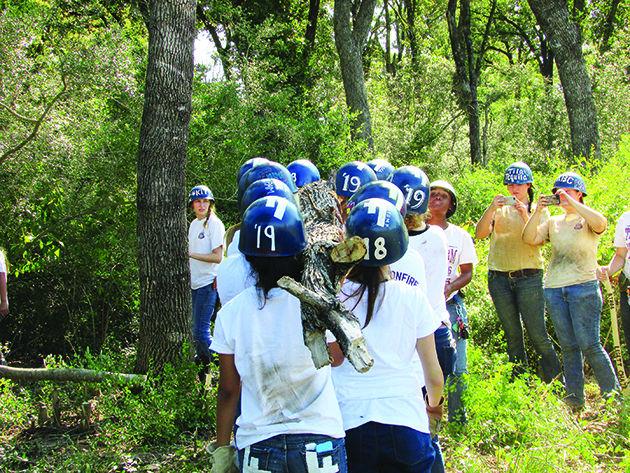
(250, 163)
(303, 172)
(263, 188)
(200, 192)
(380, 190)
(414, 184)
(272, 226)
(382, 168)
(518, 173)
(382, 228)
(570, 180)
(351, 176)
(269, 170)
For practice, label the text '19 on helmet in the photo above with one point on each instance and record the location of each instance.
(351, 176)
(272, 226)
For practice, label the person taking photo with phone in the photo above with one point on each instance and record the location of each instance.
(574, 299)
(515, 271)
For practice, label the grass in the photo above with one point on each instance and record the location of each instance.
(516, 425)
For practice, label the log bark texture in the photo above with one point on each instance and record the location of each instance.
(328, 258)
(68, 374)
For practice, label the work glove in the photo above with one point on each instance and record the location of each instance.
(224, 460)
(435, 416)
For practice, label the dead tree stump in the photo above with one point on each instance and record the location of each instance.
(327, 259)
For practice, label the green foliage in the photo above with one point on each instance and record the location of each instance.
(521, 425)
(171, 416)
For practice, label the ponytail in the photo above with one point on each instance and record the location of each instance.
(370, 279)
(530, 194)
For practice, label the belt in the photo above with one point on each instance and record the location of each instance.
(519, 273)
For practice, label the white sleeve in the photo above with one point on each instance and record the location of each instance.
(620, 231)
(217, 234)
(3, 266)
(469, 255)
(222, 341)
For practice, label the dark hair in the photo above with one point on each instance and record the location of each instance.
(267, 270)
(370, 279)
(530, 194)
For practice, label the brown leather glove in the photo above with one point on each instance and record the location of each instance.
(435, 416)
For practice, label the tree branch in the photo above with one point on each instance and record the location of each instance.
(11, 151)
(486, 36)
(68, 374)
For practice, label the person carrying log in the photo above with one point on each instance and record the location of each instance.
(386, 420)
(290, 418)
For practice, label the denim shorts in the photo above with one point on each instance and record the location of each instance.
(295, 453)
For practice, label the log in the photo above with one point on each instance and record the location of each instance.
(327, 260)
(69, 374)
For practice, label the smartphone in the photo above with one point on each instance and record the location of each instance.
(509, 200)
(551, 199)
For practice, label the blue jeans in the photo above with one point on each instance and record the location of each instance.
(576, 312)
(517, 298)
(203, 301)
(295, 453)
(445, 347)
(383, 448)
(456, 383)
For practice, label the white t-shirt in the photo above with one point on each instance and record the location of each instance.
(461, 250)
(234, 275)
(391, 391)
(622, 239)
(432, 246)
(410, 270)
(282, 392)
(203, 240)
(233, 246)
(3, 266)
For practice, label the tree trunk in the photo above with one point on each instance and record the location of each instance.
(165, 306)
(466, 71)
(564, 41)
(609, 26)
(351, 32)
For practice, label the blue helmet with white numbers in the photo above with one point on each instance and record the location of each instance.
(200, 192)
(272, 226)
(414, 184)
(380, 190)
(382, 228)
(351, 176)
(570, 180)
(382, 168)
(268, 170)
(303, 172)
(263, 188)
(250, 163)
(518, 173)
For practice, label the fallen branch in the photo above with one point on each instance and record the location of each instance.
(327, 259)
(339, 321)
(76, 375)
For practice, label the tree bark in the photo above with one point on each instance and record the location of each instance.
(165, 306)
(467, 68)
(327, 260)
(564, 41)
(68, 374)
(351, 33)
